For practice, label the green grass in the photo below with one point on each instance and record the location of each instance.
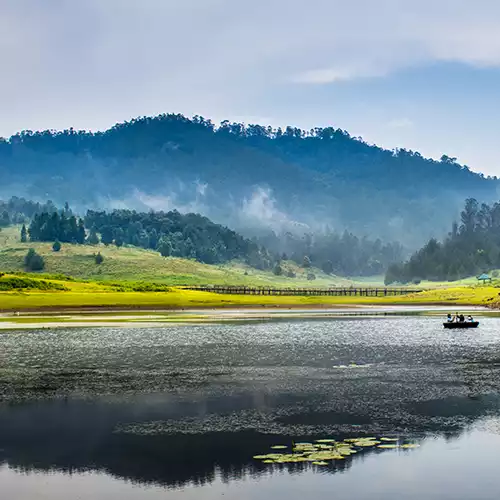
(100, 295)
(136, 278)
(136, 264)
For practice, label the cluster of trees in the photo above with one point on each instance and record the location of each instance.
(170, 233)
(19, 210)
(55, 226)
(175, 234)
(342, 254)
(471, 248)
(319, 174)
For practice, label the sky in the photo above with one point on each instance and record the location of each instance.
(415, 74)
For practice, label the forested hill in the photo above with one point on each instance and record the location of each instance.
(244, 176)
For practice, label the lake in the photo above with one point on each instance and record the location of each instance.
(180, 411)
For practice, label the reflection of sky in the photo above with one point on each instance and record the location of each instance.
(464, 468)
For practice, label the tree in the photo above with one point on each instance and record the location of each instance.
(33, 261)
(24, 234)
(80, 232)
(311, 276)
(278, 270)
(99, 259)
(306, 262)
(107, 235)
(469, 215)
(56, 247)
(119, 237)
(327, 267)
(5, 219)
(165, 247)
(93, 238)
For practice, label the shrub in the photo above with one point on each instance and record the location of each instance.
(56, 246)
(99, 259)
(311, 276)
(17, 283)
(278, 271)
(34, 261)
(290, 274)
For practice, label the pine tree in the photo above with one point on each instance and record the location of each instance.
(24, 234)
(107, 235)
(99, 259)
(306, 261)
(93, 238)
(80, 233)
(119, 237)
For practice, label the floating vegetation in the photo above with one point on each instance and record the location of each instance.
(325, 451)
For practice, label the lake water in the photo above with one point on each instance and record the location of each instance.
(179, 412)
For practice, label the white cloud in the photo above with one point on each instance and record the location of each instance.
(90, 64)
(334, 75)
(400, 123)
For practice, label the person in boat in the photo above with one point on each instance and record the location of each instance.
(470, 319)
(449, 319)
(461, 318)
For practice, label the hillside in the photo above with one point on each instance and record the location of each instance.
(249, 177)
(136, 264)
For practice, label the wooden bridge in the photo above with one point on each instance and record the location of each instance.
(334, 291)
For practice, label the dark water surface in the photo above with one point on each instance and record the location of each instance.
(178, 412)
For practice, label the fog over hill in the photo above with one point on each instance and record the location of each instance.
(251, 178)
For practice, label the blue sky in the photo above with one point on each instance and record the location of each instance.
(423, 75)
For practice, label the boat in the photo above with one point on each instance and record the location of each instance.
(461, 324)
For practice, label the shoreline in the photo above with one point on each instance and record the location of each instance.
(45, 320)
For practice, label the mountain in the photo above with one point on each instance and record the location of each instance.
(247, 177)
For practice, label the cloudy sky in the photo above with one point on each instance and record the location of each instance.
(420, 74)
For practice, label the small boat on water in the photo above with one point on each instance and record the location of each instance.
(461, 324)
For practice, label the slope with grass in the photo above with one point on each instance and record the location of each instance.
(136, 264)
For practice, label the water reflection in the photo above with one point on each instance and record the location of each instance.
(191, 406)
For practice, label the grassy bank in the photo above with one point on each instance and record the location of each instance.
(126, 295)
(137, 264)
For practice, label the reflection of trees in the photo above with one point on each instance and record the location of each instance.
(74, 436)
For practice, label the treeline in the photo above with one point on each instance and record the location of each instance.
(170, 233)
(197, 237)
(19, 210)
(175, 234)
(471, 248)
(343, 254)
